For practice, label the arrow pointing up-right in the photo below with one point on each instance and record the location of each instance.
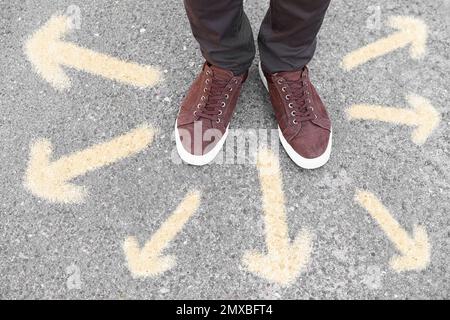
(411, 31)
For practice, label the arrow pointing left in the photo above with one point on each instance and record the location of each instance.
(50, 180)
(48, 53)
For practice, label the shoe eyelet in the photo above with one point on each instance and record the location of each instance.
(207, 81)
(231, 89)
(204, 90)
(283, 89)
(218, 120)
(295, 121)
(223, 104)
(227, 96)
(312, 109)
(280, 81)
(195, 113)
(208, 73)
(199, 106)
(287, 97)
(220, 112)
(235, 81)
(293, 113)
(203, 98)
(291, 105)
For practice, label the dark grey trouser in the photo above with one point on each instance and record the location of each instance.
(287, 37)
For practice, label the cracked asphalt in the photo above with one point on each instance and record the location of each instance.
(63, 251)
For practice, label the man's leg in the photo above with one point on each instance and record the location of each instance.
(287, 39)
(287, 43)
(224, 33)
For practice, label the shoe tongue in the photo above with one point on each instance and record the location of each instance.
(221, 74)
(291, 76)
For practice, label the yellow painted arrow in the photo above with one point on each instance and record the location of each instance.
(284, 260)
(50, 180)
(415, 251)
(149, 261)
(48, 53)
(410, 31)
(422, 116)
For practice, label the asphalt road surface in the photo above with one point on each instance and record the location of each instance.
(376, 216)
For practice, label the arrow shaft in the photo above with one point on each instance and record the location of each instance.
(103, 154)
(385, 114)
(387, 223)
(379, 48)
(173, 225)
(96, 63)
(277, 238)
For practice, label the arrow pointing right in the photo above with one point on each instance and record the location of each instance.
(415, 251)
(411, 31)
(423, 116)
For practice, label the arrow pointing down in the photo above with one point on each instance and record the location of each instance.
(284, 260)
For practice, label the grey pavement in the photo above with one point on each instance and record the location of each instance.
(45, 245)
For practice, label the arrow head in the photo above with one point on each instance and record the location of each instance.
(428, 118)
(44, 181)
(415, 30)
(41, 50)
(417, 256)
(142, 264)
(283, 266)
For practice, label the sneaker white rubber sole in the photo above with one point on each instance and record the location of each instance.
(305, 163)
(194, 159)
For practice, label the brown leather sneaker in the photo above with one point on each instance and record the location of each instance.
(202, 124)
(303, 122)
